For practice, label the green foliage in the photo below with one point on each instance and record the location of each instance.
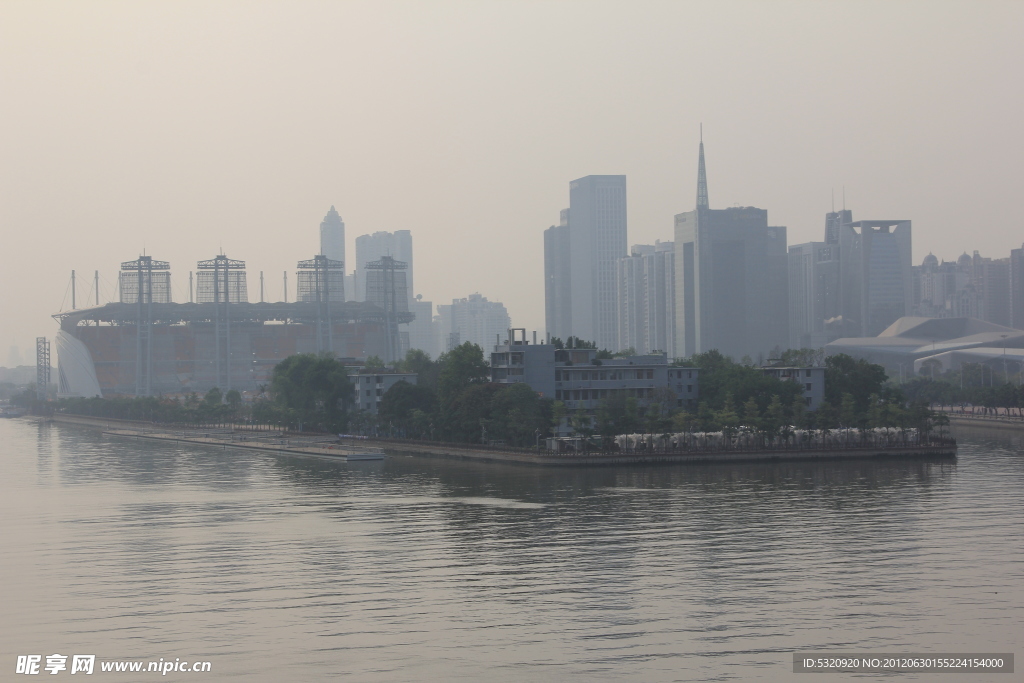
(857, 377)
(617, 414)
(721, 377)
(419, 362)
(460, 368)
(374, 363)
(313, 391)
(409, 408)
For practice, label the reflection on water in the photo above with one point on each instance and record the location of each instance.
(279, 568)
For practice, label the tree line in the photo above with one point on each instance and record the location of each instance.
(454, 401)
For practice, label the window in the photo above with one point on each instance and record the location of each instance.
(650, 374)
(558, 375)
(807, 401)
(807, 373)
(558, 394)
(689, 388)
(807, 386)
(689, 375)
(368, 392)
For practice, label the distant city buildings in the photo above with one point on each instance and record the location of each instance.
(473, 319)
(580, 256)
(369, 248)
(646, 298)
(731, 279)
(332, 237)
(971, 287)
(855, 283)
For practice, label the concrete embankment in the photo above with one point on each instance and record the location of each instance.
(248, 440)
(359, 449)
(281, 445)
(572, 459)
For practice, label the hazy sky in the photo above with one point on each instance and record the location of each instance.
(183, 128)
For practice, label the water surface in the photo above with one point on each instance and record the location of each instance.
(280, 568)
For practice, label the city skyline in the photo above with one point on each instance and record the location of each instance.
(109, 155)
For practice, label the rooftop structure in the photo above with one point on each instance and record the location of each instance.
(911, 339)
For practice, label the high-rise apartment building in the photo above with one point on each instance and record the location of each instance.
(813, 295)
(646, 298)
(473, 319)
(731, 279)
(332, 236)
(580, 257)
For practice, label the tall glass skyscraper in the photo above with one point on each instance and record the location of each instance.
(580, 257)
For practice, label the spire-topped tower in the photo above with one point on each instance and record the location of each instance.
(702, 176)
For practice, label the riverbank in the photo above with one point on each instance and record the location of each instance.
(668, 457)
(323, 446)
(330, 447)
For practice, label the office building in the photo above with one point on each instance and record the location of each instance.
(731, 279)
(876, 282)
(580, 257)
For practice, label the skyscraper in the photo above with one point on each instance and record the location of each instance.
(579, 261)
(332, 236)
(557, 288)
(731, 279)
(876, 279)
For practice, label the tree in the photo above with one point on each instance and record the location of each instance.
(461, 368)
(517, 416)
(374, 363)
(859, 378)
(315, 389)
(402, 402)
(618, 414)
(419, 362)
(234, 401)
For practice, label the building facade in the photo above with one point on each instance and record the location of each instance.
(581, 381)
(645, 283)
(731, 279)
(557, 285)
(580, 255)
(473, 319)
(371, 385)
(813, 295)
(876, 280)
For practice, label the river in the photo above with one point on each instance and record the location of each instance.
(277, 568)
